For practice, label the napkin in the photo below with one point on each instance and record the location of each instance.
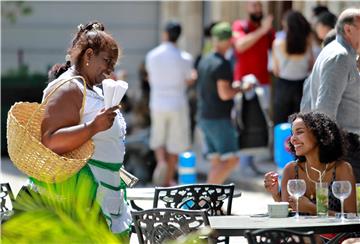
(114, 91)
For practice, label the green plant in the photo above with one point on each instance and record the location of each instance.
(62, 213)
(12, 10)
(194, 237)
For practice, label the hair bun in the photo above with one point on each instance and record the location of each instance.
(94, 26)
(97, 26)
(80, 27)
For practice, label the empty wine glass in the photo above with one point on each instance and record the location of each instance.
(341, 190)
(296, 188)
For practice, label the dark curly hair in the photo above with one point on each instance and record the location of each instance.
(330, 138)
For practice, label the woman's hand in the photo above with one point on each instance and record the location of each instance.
(271, 182)
(104, 119)
(305, 205)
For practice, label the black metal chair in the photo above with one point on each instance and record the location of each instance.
(210, 197)
(7, 200)
(277, 236)
(154, 226)
(197, 196)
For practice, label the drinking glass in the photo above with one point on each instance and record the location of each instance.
(322, 198)
(296, 188)
(341, 190)
(358, 199)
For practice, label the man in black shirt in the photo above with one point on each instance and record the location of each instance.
(215, 95)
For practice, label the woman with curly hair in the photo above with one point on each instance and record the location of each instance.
(316, 142)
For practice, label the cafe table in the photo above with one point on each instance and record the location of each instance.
(237, 225)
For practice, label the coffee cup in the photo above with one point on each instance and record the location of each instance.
(278, 209)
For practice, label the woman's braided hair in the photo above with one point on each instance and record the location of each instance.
(91, 35)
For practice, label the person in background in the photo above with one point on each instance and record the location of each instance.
(319, 9)
(316, 142)
(330, 36)
(252, 39)
(292, 62)
(206, 49)
(316, 41)
(215, 95)
(169, 72)
(92, 55)
(333, 86)
(324, 23)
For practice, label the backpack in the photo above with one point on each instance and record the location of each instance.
(251, 120)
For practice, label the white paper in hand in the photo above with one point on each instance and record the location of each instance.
(119, 92)
(108, 87)
(114, 91)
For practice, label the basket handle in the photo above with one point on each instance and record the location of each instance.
(53, 91)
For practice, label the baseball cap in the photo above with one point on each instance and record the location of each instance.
(222, 31)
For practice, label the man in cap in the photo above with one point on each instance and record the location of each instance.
(215, 95)
(170, 71)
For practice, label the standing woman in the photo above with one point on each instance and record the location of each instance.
(292, 61)
(92, 55)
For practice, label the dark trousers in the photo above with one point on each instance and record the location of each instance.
(353, 155)
(287, 99)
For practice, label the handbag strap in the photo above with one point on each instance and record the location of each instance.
(54, 90)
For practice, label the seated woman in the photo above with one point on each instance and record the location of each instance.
(317, 142)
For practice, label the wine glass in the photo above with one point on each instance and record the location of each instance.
(296, 188)
(341, 190)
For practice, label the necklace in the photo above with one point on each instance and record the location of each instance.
(321, 175)
(313, 181)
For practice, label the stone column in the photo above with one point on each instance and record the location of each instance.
(189, 14)
(228, 11)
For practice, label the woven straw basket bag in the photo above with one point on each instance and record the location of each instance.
(28, 153)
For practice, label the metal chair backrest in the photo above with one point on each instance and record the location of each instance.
(154, 226)
(6, 196)
(7, 200)
(210, 197)
(277, 236)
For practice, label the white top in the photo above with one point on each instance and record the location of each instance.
(168, 69)
(109, 144)
(109, 148)
(291, 66)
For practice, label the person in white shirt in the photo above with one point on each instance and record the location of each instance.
(170, 71)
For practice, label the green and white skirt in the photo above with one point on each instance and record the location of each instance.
(106, 188)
